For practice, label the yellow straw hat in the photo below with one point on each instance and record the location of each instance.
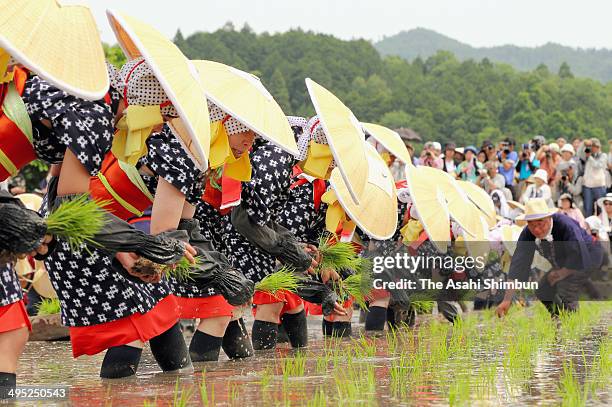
(243, 96)
(510, 235)
(60, 43)
(481, 199)
(177, 75)
(345, 138)
(431, 207)
(536, 209)
(31, 201)
(41, 282)
(376, 213)
(460, 208)
(478, 244)
(390, 140)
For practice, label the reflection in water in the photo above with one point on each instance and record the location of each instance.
(259, 380)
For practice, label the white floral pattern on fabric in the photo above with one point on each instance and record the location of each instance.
(83, 126)
(300, 216)
(10, 289)
(91, 292)
(263, 198)
(231, 124)
(167, 159)
(138, 83)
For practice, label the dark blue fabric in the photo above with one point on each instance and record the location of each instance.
(572, 248)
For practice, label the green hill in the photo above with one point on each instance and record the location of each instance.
(440, 97)
(420, 42)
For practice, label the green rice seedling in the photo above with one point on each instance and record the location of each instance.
(266, 378)
(284, 279)
(364, 347)
(206, 400)
(184, 270)
(399, 374)
(183, 396)
(459, 391)
(321, 364)
(233, 392)
(294, 366)
(319, 399)
(358, 286)
(48, 306)
(337, 255)
(392, 341)
(77, 221)
(356, 384)
(569, 388)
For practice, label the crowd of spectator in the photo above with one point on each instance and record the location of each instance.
(575, 176)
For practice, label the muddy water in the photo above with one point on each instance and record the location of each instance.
(259, 380)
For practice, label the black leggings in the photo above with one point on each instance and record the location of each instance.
(168, 348)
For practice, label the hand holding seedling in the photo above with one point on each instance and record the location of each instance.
(42, 249)
(329, 274)
(503, 308)
(129, 260)
(339, 309)
(316, 257)
(190, 253)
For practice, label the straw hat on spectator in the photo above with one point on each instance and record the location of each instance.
(554, 147)
(536, 209)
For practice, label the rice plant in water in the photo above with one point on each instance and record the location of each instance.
(48, 306)
(206, 400)
(282, 280)
(183, 396)
(77, 221)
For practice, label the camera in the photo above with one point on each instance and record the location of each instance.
(524, 155)
(587, 150)
(507, 151)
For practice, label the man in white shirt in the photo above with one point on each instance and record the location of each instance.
(595, 165)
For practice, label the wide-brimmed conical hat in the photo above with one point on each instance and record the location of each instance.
(41, 282)
(243, 96)
(58, 42)
(477, 244)
(460, 208)
(481, 199)
(31, 201)
(510, 235)
(376, 213)
(431, 207)
(345, 137)
(177, 75)
(390, 140)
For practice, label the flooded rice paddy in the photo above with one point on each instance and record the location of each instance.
(525, 359)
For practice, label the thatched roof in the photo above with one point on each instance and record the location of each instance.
(408, 134)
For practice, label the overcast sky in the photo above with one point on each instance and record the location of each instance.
(584, 23)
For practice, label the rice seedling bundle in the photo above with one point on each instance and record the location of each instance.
(48, 306)
(337, 255)
(282, 280)
(184, 270)
(77, 221)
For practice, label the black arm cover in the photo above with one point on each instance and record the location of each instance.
(119, 236)
(215, 270)
(318, 293)
(22, 229)
(272, 239)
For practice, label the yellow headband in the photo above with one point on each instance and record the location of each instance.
(221, 154)
(335, 215)
(318, 160)
(4, 60)
(130, 141)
